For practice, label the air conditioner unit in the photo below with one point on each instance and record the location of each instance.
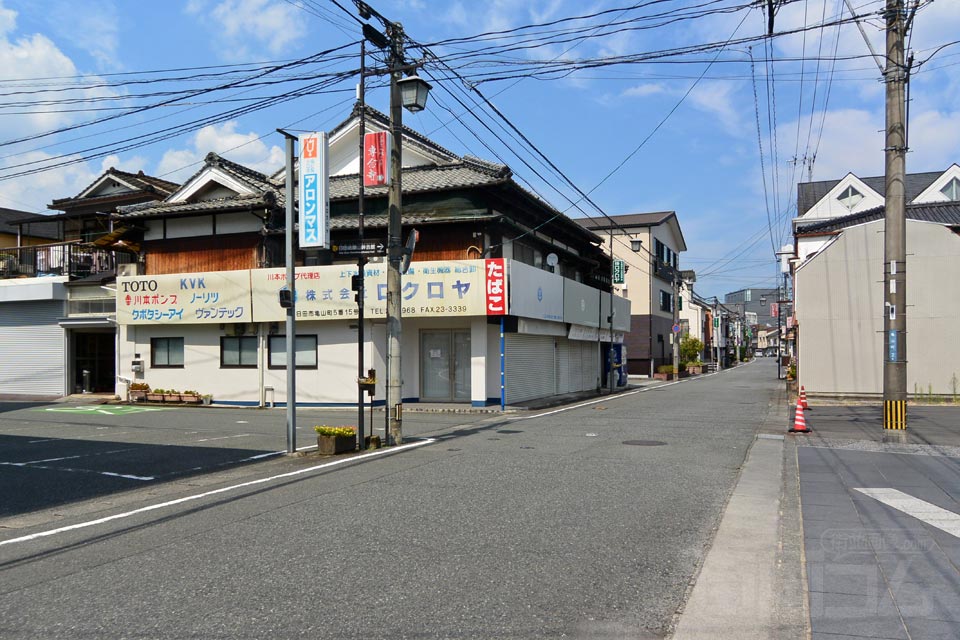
(130, 269)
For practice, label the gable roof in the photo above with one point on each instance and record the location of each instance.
(138, 184)
(810, 193)
(947, 213)
(628, 220)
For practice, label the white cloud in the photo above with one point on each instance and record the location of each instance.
(91, 26)
(34, 192)
(244, 148)
(644, 90)
(243, 27)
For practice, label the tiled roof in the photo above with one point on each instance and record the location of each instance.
(35, 225)
(151, 209)
(468, 172)
(626, 220)
(947, 213)
(380, 221)
(140, 181)
(810, 193)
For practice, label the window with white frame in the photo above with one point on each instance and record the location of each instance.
(952, 190)
(305, 352)
(850, 198)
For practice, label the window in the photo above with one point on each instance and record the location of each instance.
(666, 301)
(240, 351)
(166, 352)
(305, 347)
(952, 190)
(850, 198)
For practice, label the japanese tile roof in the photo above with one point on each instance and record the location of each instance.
(140, 181)
(810, 193)
(947, 213)
(152, 209)
(469, 172)
(380, 221)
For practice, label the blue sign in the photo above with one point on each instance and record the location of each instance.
(314, 192)
(892, 345)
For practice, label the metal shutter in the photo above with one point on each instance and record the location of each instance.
(568, 366)
(530, 363)
(589, 365)
(32, 350)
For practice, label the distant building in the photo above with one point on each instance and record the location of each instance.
(755, 301)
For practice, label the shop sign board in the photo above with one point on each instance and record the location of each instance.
(442, 288)
(376, 159)
(195, 298)
(314, 191)
(535, 293)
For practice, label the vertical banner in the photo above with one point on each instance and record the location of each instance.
(376, 159)
(314, 191)
(496, 287)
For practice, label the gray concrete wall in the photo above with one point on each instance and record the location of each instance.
(840, 304)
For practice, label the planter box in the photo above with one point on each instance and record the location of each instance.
(694, 369)
(154, 397)
(171, 397)
(189, 398)
(332, 445)
(663, 376)
(138, 396)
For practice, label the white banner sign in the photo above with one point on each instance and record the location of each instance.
(314, 191)
(196, 298)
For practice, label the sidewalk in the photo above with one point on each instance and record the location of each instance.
(881, 524)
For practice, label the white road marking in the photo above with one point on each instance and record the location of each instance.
(239, 435)
(920, 509)
(74, 470)
(198, 496)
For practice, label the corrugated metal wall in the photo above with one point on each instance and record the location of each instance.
(32, 348)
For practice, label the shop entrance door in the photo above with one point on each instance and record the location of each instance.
(445, 366)
(95, 352)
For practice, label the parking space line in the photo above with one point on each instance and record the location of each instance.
(235, 487)
(239, 435)
(920, 509)
(75, 470)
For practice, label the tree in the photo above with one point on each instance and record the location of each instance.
(690, 349)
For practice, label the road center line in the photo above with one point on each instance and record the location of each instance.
(198, 496)
(920, 509)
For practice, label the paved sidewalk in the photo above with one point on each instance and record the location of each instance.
(750, 585)
(881, 525)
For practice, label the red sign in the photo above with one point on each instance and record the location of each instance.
(376, 159)
(496, 272)
(774, 309)
(309, 146)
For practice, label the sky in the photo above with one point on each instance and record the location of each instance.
(100, 83)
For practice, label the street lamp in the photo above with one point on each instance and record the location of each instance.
(410, 93)
(413, 93)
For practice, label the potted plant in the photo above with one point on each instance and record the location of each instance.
(665, 372)
(171, 395)
(190, 397)
(695, 367)
(138, 391)
(156, 395)
(207, 398)
(333, 440)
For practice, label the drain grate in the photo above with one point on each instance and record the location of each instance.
(645, 443)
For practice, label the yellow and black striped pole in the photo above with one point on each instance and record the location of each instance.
(895, 414)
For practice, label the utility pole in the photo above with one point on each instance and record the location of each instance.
(676, 323)
(361, 258)
(611, 381)
(290, 303)
(895, 226)
(394, 400)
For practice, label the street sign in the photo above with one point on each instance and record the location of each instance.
(775, 309)
(376, 159)
(314, 191)
(716, 323)
(676, 328)
(618, 271)
(892, 345)
(355, 248)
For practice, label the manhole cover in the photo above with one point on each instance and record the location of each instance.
(644, 443)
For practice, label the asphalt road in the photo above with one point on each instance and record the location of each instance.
(588, 522)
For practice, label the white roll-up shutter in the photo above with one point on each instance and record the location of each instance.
(530, 367)
(568, 366)
(589, 365)
(32, 348)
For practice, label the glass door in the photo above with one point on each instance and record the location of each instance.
(445, 366)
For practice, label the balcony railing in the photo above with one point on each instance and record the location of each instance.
(75, 259)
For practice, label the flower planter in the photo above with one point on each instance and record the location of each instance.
(695, 370)
(332, 445)
(138, 396)
(171, 397)
(189, 398)
(154, 397)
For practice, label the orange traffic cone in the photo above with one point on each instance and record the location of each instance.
(799, 422)
(803, 398)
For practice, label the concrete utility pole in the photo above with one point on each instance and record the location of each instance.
(291, 320)
(895, 227)
(676, 323)
(394, 401)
